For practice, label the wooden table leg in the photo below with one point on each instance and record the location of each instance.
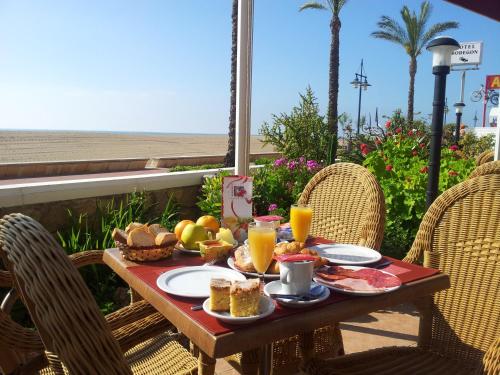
(250, 362)
(424, 306)
(306, 345)
(206, 364)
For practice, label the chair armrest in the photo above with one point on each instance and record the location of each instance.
(141, 330)
(85, 258)
(15, 336)
(129, 314)
(491, 359)
(5, 279)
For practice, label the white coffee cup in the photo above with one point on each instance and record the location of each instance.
(296, 277)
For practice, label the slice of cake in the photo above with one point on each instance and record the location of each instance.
(245, 297)
(219, 294)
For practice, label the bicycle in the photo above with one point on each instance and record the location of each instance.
(491, 95)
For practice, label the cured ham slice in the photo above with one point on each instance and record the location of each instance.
(362, 280)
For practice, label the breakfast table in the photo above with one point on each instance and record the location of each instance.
(214, 339)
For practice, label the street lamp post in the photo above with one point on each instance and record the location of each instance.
(360, 81)
(458, 109)
(441, 48)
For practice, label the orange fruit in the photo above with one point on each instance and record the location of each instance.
(209, 222)
(180, 227)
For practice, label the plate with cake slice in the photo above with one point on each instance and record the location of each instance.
(237, 302)
(194, 281)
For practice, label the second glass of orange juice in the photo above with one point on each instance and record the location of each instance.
(300, 221)
(261, 240)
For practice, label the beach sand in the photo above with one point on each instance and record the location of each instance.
(41, 146)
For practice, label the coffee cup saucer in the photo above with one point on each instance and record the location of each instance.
(274, 287)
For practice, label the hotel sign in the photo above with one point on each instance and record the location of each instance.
(470, 53)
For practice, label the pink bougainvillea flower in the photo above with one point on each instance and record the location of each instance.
(378, 141)
(388, 124)
(388, 168)
(453, 147)
(398, 130)
(424, 169)
(302, 160)
(292, 164)
(422, 145)
(414, 152)
(312, 165)
(410, 133)
(279, 162)
(389, 134)
(452, 173)
(272, 207)
(362, 146)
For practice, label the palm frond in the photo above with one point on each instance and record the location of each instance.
(336, 6)
(411, 24)
(388, 36)
(388, 25)
(436, 29)
(312, 5)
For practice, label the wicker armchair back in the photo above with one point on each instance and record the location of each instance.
(491, 167)
(348, 205)
(66, 315)
(460, 235)
(484, 157)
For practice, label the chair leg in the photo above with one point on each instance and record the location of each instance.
(250, 362)
(306, 345)
(206, 364)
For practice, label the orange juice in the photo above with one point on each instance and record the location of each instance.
(261, 241)
(300, 221)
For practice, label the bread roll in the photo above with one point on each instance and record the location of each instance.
(156, 229)
(165, 238)
(274, 267)
(133, 226)
(119, 236)
(140, 238)
(288, 248)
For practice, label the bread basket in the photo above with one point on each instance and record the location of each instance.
(145, 254)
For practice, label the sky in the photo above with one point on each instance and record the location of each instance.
(164, 65)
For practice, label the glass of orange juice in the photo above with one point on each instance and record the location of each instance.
(262, 240)
(300, 221)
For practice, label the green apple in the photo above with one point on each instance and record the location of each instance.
(192, 234)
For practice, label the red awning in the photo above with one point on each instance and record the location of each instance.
(488, 8)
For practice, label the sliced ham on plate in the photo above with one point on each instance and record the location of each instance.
(357, 280)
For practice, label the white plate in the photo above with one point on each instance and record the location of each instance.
(270, 276)
(338, 288)
(194, 281)
(347, 254)
(275, 287)
(266, 308)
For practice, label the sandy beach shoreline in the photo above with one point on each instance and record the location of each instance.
(41, 146)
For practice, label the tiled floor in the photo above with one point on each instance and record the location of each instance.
(397, 326)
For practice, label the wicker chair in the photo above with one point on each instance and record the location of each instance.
(491, 167)
(484, 157)
(349, 207)
(460, 235)
(73, 333)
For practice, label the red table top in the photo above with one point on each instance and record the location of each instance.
(149, 272)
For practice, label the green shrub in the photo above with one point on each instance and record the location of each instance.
(303, 132)
(277, 186)
(183, 168)
(210, 199)
(94, 233)
(400, 165)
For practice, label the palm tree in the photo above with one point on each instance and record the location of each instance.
(229, 159)
(413, 36)
(335, 7)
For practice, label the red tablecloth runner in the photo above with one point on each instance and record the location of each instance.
(149, 272)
